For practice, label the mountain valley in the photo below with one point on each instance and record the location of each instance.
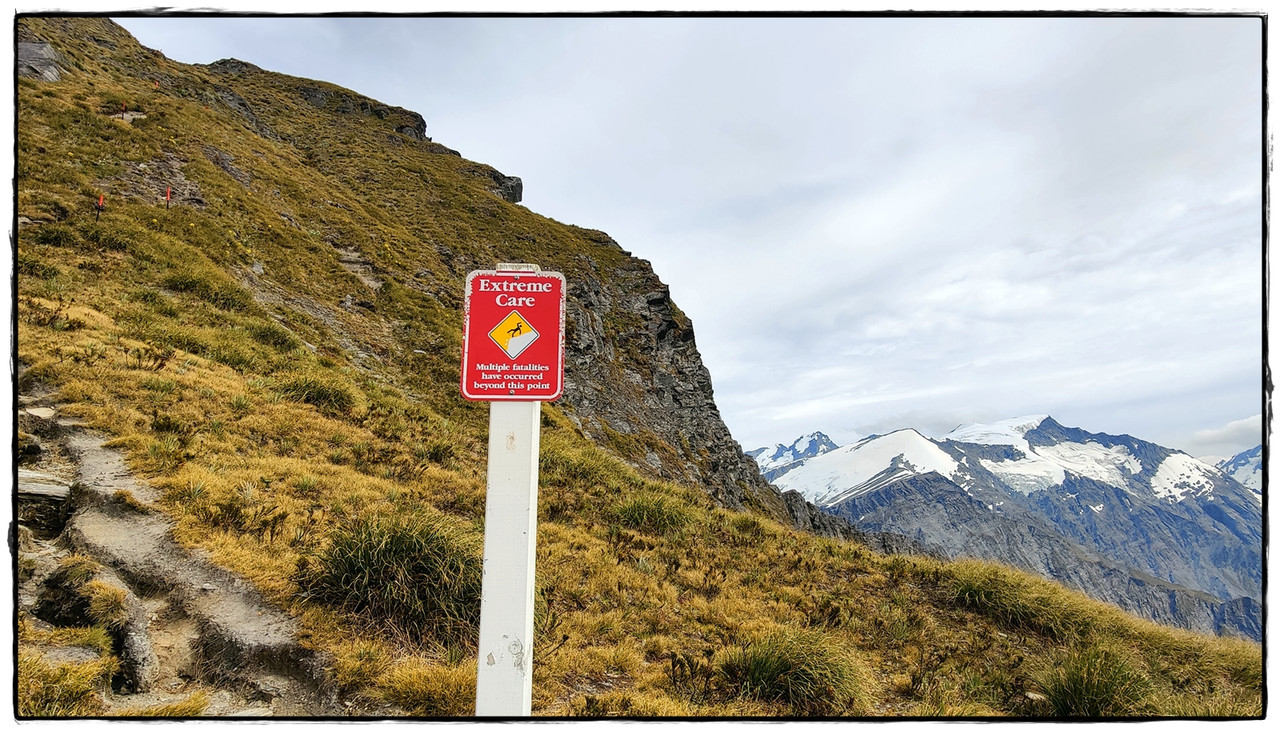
(1127, 521)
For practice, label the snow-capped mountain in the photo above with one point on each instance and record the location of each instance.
(780, 458)
(1099, 512)
(1246, 468)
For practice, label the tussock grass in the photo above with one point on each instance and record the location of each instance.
(63, 690)
(106, 604)
(359, 664)
(653, 513)
(325, 392)
(95, 638)
(1020, 600)
(193, 705)
(431, 690)
(210, 285)
(417, 574)
(1092, 681)
(800, 668)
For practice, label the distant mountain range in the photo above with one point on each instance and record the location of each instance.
(1245, 468)
(779, 459)
(1146, 527)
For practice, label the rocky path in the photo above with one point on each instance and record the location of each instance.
(192, 627)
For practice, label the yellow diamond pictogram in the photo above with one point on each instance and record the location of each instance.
(513, 334)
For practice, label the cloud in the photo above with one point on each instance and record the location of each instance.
(874, 223)
(1225, 440)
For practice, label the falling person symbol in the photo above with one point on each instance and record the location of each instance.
(516, 330)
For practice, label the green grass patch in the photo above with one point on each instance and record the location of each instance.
(210, 285)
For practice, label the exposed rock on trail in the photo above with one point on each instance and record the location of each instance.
(186, 626)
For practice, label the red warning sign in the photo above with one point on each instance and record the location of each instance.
(513, 335)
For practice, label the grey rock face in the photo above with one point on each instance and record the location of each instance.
(43, 501)
(509, 188)
(227, 163)
(315, 97)
(232, 66)
(408, 123)
(635, 381)
(806, 516)
(38, 60)
(237, 104)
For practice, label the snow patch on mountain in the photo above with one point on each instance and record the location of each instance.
(1008, 431)
(1180, 475)
(1032, 474)
(905, 452)
(1092, 460)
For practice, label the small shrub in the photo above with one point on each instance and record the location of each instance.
(149, 357)
(34, 312)
(419, 574)
(1092, 681)
(801, 668)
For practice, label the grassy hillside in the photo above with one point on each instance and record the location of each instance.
(277, 352)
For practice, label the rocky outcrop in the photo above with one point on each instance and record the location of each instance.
(38, 60)
(238, 105)
(507, 187)
(408, 123)
(635, 382)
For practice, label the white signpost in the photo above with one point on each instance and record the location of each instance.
(513, 357)
(504, 676)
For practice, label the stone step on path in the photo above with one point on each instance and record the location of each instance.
(43, 501)
(239, 638)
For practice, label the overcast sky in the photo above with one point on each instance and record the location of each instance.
(874, 223)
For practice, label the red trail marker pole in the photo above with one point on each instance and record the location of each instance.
(98, 208)
(167, 191)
